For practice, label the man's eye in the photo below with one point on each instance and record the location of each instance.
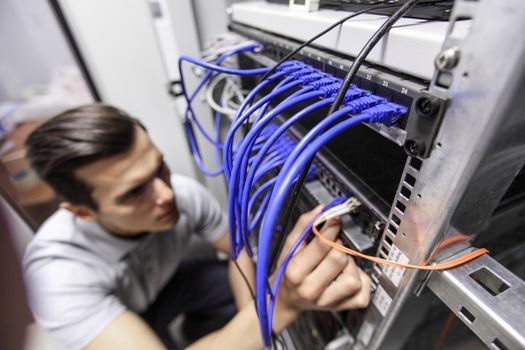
(162, 169)
(135, 192)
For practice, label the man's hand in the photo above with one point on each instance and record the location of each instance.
(320, 277)
(317, 277)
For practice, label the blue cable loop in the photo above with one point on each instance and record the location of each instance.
(266, 149)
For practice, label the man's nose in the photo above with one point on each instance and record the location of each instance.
(164, 193)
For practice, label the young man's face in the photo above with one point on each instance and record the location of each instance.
(132, 189)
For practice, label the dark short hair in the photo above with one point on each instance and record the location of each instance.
(75, 138)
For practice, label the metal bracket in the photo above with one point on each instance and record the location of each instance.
(424, 126)
(488, 298)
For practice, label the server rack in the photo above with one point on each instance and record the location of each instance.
(463, 144)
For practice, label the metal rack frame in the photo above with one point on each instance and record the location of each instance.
(444, 199)
(478, 151)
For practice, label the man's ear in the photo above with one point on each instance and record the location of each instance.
(79, 210)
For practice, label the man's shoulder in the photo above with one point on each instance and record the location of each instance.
(56, 239)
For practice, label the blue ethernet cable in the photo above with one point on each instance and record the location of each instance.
(216, 150)
(242, 240)
(187, 127)
(241, 116)
(205, 78)
(308, 75)
(384, 113)
(254, 92)
(249, 182)
(265, 107)
(196, 155)
(327, 86)
(233, 208)
(243, 153)
(221, 69)
(260, 211)
(240, 161)
(289, 67)
(280, 272)
(352, 107)
(263, 188)
(227, 156)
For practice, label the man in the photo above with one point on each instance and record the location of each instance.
(101, 270)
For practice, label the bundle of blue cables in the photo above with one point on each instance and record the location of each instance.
(242, 167)
(266, 154)
(190, 117)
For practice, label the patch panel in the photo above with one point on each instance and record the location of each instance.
(414, 133)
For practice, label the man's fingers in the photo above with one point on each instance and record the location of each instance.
(323, 275)
(361, 299)
(316, 250)
(346, 285)
(302, 223)
(310, 256)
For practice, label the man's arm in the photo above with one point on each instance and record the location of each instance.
(317, 277)
(240, 288)
(128, 331)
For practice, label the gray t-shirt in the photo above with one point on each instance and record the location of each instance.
(80, 277)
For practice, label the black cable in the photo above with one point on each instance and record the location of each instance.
(317, 36)
(341, 21)
(344, 87)
(252, 293)
(371, 43)
(385, 27)
(276, 338)
(247, 125)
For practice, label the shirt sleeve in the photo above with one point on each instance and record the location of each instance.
(210, 221)
(71, 301)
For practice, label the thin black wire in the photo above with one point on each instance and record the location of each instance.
(371, 43)
(296, 189)
(247, 125)
(385, 27)
(245, 279)
(341, 21)
(317, 36)
(276, 338)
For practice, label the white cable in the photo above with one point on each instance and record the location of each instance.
(211, 101)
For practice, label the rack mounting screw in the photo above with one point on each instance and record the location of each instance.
(415, 147)
(426, 106)
(447, 59)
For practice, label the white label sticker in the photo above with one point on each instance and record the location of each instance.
(366, 333)
(395, 273)
(382, 300)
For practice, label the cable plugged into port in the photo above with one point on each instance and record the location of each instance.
(379, 109)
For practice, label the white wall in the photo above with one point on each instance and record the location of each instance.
(118, 43)
(121, 48)
(31, 46)
(210, 17)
